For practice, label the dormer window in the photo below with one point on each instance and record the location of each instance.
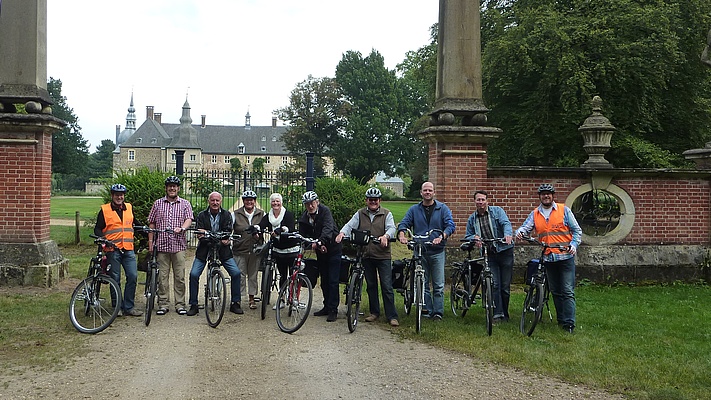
(154, 141)
(240, 148)
(139, 140)
(273, 138)
(264, 138)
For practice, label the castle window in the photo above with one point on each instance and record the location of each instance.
(131, 155)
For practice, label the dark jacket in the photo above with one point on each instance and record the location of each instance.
(289, 221)
(203, 222)
(323, 228)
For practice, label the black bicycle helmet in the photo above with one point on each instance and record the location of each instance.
(546, 187)
(309, 197)
(172, 180)
(248, 194)
(373, 193)
(118, 188)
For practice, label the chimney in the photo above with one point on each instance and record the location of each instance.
(274, 119)
(157, 116)
(118, 132)
(149, 112)
(202, 125)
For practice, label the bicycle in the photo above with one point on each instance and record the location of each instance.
(415, 275)
(469, 277)
(270, 273)
(295, 297)
(215, 286)
(88, 311)
(537, 292)
(151, 285)
(354, 286)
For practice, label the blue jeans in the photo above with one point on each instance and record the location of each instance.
(434, 272)
(561, 280)
(382, 269)
(232, 269)
(501, 265)
(128, 260)
(329, 269)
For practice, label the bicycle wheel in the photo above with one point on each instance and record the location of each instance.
(294, 303)
(90, 310)
(353, 300)
(409, 291)
(267, 276)
(458, 294)
(419, 301)
(532, 308)
(151, 293)
(215, 297)
(487, 298)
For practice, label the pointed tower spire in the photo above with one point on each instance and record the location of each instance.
(185, 136)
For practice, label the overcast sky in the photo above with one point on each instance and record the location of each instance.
(228, 56)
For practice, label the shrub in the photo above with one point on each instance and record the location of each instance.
(144, 187)
(343, 196)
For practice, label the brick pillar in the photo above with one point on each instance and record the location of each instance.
(27, 256)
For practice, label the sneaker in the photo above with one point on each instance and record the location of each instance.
(321, 312)
(371, 318)
(332, 316)
(393, 322)
(236, 308)
(280, 306)
(133, 313)
(193, 310)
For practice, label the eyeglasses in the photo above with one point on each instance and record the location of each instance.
(374, 199)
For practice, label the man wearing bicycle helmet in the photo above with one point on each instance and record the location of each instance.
(176, 213)
(555, 224)
(115, 222)
(380, 223)
(491, 222)
(317, 223)
(244, 217)
(421, 218)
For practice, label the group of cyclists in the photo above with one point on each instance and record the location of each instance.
(554, 223)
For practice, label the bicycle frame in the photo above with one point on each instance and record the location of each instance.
(354, 287)
(270, 274)
(150, 291)
(417, 278)
(295, 297)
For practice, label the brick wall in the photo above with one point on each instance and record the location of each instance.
(25, 187)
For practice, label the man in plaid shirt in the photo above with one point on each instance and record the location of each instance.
(171, 212)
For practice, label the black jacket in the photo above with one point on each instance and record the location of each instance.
(324, 228)
(203, 222)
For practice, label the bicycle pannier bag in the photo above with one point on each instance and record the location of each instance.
(345, 269)
(476, 270)
(398, 274)
(359, 237)
(142, 258)
(311, 270)
(531, 270)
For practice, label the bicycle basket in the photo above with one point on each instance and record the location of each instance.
(359, 237)
(398, 274)
(531, 271)
(142, 261)
(345, 269)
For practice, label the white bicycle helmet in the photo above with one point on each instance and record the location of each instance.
(309, 196)
(118, 188)
(546, 187)
(373, 193)
(248, 194)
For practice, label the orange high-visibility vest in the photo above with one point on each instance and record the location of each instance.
(553, 232)
(119, 232)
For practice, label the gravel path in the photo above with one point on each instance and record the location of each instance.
(245, 357)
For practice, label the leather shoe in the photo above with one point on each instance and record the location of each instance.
(236, 308)
(321, 312)
(192, 311)
(332, 316)
(133, 313)
(393, 322)
(371, 318)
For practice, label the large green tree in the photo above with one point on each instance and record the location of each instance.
(70, 151)
(544, 60)
(101, 161)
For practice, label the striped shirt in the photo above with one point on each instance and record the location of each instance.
(164, 215)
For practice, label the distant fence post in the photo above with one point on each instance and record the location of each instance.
(310, 171)
(77, 220)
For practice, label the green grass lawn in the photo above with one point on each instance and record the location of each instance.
(398, 208)
(62, 207)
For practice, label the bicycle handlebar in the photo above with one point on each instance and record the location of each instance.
(469, 243)
(545, 245)
(297, 236)
(371, 239)
(215, 236)
(427, 235)
(147, 229)
(105, 242)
